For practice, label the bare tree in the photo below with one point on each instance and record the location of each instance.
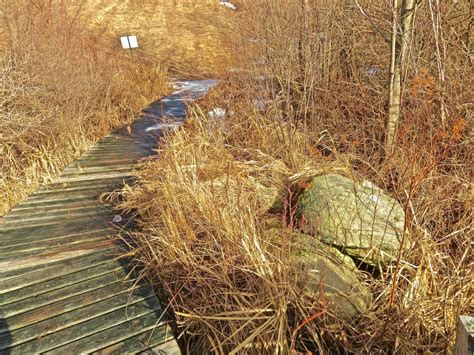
(401, 39)
(434, 7)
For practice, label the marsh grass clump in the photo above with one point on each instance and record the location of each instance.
(204, 235)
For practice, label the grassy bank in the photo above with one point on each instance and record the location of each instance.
(63, 85)
(320, 75)
(190, 37)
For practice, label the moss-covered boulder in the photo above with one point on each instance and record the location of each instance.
(361, 220)
(323, 275)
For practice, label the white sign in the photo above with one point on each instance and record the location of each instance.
(129, 42)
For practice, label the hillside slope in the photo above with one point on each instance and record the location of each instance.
(188, 36)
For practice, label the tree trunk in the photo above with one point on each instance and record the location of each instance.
(401, 39)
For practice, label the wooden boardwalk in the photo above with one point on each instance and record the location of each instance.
(62, 287)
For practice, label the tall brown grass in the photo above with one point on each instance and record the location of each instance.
(322, 69)
(62, 86)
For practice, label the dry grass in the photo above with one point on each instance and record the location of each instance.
(62, 86)
(204, 238)
(190, 37)
(202, 202)
(206, 219)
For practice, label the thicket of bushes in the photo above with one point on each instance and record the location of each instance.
(62, 86)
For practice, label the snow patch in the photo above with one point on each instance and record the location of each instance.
(193, 86)
(217, 113)
(374, 198)
(228, 4)
(185, 91)
(163, 126)
(371, 70)
(369, 184)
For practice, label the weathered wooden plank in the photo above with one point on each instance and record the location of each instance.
(115, 147)
(64, 185)
(34, 274)
(137, 330)
(60, 282)
(51, 230)
(152, 341)
(95, 172)
(29, 250)
(89, 214)
(58, 198)
(88, 173)
(57, 210)
(87, 177)
(169, 348)
(73, 303)
(17, 307)
(71, 188)
(110, 156)
(54, 207)
(31, 244)
(102, 162)
(63, 200)
(62, 253)
(70, 191)
(115, 144)
(60, 209)
(39, 263)
(132, 148)
(116, 136)
(58, 214)
(105, 159)
(78, 324)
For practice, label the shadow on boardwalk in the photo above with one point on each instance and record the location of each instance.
(5, 337)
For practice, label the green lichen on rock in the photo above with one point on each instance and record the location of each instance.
(362, 221)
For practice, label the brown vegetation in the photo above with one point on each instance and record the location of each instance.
(322, 68)
(62, 86)
(189, 37)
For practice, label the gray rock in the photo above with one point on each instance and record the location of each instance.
(324, 276)
(265, 197)
(361, 220)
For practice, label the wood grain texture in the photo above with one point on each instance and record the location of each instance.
(63, 288)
